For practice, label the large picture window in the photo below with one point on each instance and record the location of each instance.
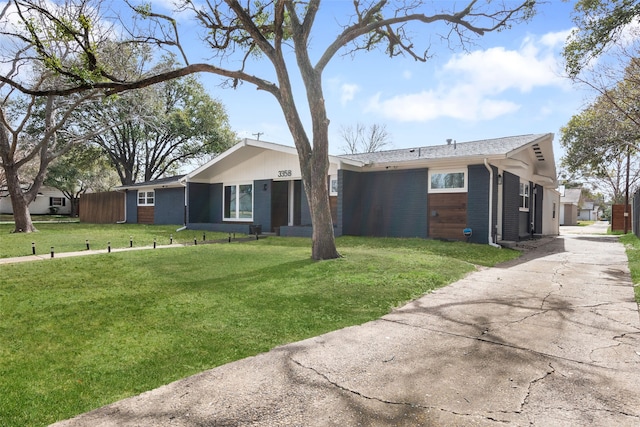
(524, 196)
(448, 181)
(238, 202)
(146, 198)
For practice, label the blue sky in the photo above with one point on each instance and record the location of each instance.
(508, 83)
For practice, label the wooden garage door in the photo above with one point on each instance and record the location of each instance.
(447, 215)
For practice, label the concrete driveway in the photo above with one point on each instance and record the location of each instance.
(551, 339)
(598, 227)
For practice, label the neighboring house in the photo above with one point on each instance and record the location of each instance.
(49, 200)
(588, 211)
(161, 201)
(569, 205)
(502, 189)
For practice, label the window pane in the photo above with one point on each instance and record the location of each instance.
(454, 180)
(150, 197)
(230, 201)
(245, 201)
(141, 198)
(334, 185)
(437, 180)
(447, 180)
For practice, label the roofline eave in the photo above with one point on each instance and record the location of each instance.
(440, 162)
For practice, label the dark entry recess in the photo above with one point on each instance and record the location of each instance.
(279, 204)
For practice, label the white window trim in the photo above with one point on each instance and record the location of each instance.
(528, 196)
(146, 199)
(449, 190)
(237, 185)
(57, 201)
(331, 179)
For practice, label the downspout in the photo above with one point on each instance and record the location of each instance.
(186, 205)
(491, 243)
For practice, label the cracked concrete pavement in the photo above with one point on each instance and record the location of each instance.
(550, 339)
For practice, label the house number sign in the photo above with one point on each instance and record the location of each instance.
(283, 173)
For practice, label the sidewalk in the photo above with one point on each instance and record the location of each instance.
(551, 339)
(29, 258)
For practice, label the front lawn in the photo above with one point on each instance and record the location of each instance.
(71, 237)
(79, 333)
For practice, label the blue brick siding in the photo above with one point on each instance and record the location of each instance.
(200, 202)
(478, 202)
(132, 206)
(305, 213)
(262, 203)
(339, 220)
(169, 206)
(386, 203)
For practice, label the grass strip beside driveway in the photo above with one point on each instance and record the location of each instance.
(632, 245)
(79, 333)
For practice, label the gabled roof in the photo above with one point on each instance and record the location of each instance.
(251, 147)
(171, 181)
(571, 196)
(482, 148)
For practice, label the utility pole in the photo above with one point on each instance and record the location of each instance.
(626, 195)
(257, 135)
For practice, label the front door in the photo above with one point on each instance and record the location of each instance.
(279, 204)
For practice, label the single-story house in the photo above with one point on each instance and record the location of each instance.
(570, 199)
(501, 189)
(49, 200)
(588, 211)
(161, 201)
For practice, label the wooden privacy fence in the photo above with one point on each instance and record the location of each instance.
(617, 218)
(102, 208)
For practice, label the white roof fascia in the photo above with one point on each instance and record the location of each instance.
(543, 138)
(267, 146)
(435, 163)
(216, 159)
(170, 184)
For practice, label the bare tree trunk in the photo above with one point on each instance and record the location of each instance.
(75, 205)
(323, 242)
(21, 214)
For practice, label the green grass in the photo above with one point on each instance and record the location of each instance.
(70, 237)
(41, 218)
(78, 333)
(632, 245)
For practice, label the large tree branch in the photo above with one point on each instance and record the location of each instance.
(373, 22)
(112, 87)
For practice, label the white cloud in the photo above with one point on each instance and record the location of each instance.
(555, 39)
(348, 92)
(480, 85)
(459, 104)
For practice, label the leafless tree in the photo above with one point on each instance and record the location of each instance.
(243, 36)
(33, 129)
(360, 139)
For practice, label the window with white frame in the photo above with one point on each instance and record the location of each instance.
(448, 181)
(524, 196)
(333, 185)
(238, 202)
(146, 198)
(57, 201)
